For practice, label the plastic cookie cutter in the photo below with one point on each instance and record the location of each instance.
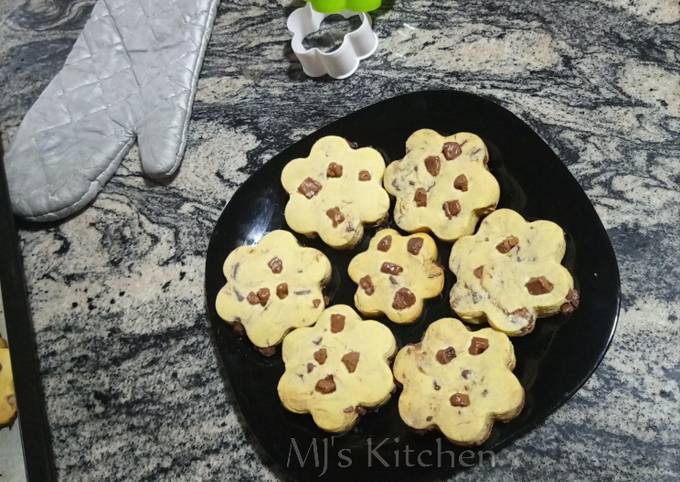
(343, 61)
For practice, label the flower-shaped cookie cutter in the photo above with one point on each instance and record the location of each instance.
(341, 62)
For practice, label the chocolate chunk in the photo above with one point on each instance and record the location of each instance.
(451, 208)
(310, 367)
(478, 345)
(420, 197)
(360, 410)
(385, 243)
(320, 356)
(349, 409)
(478, 272)
(325, 385)
(276, 265)
(428, 418)
(461, 183)
(309, 188)
(263, 295)
(539, 286)
(391, 268)
(337, 323)
(574, 297)
(316, 302)
(466, 374)
(403, 298)
(414, 245)
(335, 216)
(267, 351)
(364, 175)
(507, 244)
(451, 150)
(367, 285)
(239, 329)
(573, 300)
(334, 170)
(459, 400)
(351, 360)
(435, 385)
(282, 290)
(253, 299)
(433, 164)
(445, 355)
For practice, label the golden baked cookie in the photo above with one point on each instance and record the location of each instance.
(458, 381)
(442, 185)
(337, 369)
(8, 404)
(509, 273)
(396, 274)
(273, 287)
(334, 191)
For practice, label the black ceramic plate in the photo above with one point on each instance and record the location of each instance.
(552, 362)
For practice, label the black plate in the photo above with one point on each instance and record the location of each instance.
(552, 362)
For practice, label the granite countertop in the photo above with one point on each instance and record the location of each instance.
(132, 383)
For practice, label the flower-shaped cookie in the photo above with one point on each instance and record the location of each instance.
(442, 184)
(8, 404)
(396, 274)
(272, 287)
(337, 369)
(334, 191)
(509, 273)
(458, 381)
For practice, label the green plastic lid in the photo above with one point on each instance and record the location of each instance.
(336, 6)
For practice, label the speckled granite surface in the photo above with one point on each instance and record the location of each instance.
(131, 380)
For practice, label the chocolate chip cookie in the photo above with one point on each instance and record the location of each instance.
(458, 381)
(8, 404)
(272, 287)
(396, 274)
(337, 369)
(509, 273)
(442, 185)
(334, 191)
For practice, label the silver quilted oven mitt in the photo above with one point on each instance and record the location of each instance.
(131, 75)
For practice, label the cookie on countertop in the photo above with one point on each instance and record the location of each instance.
(337, 369)
(509, 273)
(442, 185)
(334, 191)
(458, 381)
(396, 274)
(8, 403)
(272, 287)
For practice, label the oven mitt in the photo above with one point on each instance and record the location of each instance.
(132, 74)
